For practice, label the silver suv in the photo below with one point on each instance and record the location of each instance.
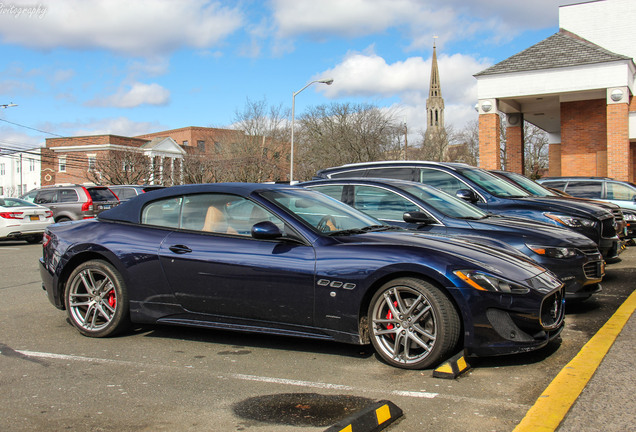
(598, 188)
(73, 202)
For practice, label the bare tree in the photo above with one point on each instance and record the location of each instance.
(536, 146)
(121, 167)
(466, 146)
(342, 133)
(260, 145)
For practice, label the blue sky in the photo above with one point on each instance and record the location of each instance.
(129, 67)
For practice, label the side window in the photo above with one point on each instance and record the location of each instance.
(67, 195)
(334, 191)
(441, 180)
(618, 191)
(381, 203)
(30, 197)
(349, 174)
(163, 213)
(46, 196)
(223, 213)
(585, 189)
(402, 173)
(560, 185)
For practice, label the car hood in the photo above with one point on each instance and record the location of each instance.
(457, 251)
(555, 204)
(532, 231)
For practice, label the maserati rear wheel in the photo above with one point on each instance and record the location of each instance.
(413, 324)
(96, 299)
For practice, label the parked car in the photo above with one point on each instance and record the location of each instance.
(573, 257)
(73, 202)
(540, 191)
(494, 195)
(22, 220)
(597, 188)
(291, 261)
(126, 192)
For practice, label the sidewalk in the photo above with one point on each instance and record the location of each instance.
(608, 402)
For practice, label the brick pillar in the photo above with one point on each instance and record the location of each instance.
(514, 143)
(554, 160)
(619, 156)
(489, 141)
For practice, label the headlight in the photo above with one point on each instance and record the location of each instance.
(553, 252)
(571, 221)
(486, 282)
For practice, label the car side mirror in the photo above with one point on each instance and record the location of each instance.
(266, 230)
(467, 195)
(418, 218)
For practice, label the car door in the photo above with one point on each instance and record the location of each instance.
(215, 267)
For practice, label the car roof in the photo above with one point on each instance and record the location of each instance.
(394, 163)
(365, 180)
(130, 211)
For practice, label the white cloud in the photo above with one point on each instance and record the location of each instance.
(137, 94)
(139, 27)
(116, 126)
(419, 19)
(370, 76)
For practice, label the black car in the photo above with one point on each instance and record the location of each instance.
(574, 258)
(494, 195)
(537, 190)
(291, 261)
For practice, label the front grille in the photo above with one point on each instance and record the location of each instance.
(607, 228)
(591, 251)
(618, 214)
(552, 310)
(593, 270)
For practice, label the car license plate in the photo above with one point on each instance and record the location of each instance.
(35, 217)
(107, 206)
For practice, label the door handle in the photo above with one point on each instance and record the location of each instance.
(180, 249)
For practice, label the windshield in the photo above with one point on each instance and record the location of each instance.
(531, 186)
(319, 211)
(445, 203)
(493, 184)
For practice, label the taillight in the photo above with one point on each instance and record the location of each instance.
(89, 202)
(46, 239)
(11, 215)
(48, 214)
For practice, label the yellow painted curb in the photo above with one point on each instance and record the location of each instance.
(554, 403)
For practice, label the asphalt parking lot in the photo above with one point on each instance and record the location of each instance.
(170, 378)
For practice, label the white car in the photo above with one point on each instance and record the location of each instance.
(22, 220)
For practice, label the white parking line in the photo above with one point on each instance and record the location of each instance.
(284, 381)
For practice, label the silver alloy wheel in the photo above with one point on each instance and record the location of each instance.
(403, 325)
(92, 300)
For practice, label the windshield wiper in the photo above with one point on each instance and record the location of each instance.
(366, 229)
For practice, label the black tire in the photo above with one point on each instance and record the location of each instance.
(34, 239)
(412, 324)
(96, 299)
(62, 219)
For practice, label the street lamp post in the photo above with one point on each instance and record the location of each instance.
(291, 157)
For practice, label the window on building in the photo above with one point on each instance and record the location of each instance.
(17, 169)
(92, 159)
(127, 166)
(185, 142)
(201, 145)
(32, 166)
(1, 190)
(62, 163)
(2, 169)
(217, 147)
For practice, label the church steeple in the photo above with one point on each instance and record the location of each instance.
(435, 102)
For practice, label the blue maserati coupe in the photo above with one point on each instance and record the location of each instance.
(291, 261)
(571, 256)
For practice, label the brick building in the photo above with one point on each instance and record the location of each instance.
(577, 85)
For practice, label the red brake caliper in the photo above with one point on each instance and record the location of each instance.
(389, 316)
(112, 300)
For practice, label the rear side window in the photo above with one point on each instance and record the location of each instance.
(585, 189)
(68, 195)
(334, 191)
(349, 174)
(124, 193)
(401, 173)
(560, 185)
(101, 194)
